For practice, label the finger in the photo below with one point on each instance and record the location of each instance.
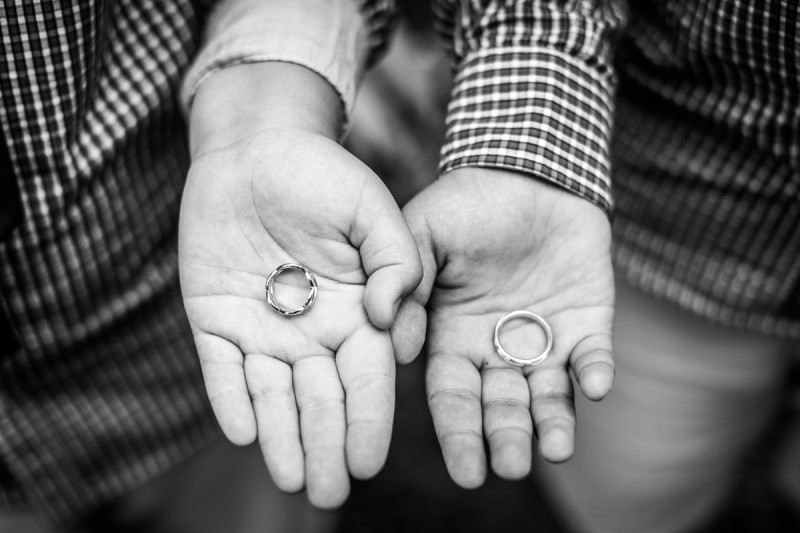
(507, 421)
(366, 368)
(388, 254)
(593, 366)
(454, 397)
(408, 330)
(553, 411)
(320, 400)
(270, 383)
(223, 373)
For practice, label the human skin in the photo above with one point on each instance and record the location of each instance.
(493, 241)
(269, 185)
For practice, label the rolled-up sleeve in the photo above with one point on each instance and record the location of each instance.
(533, 89)
(337, 39)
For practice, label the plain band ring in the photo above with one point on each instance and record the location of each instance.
(516, 360)
(312, 292)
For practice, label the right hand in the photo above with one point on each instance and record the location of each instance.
(494, 241)
(317, 389)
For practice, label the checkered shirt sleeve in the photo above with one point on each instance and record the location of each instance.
(533, 89)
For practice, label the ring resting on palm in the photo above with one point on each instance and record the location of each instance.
(517, 360)
(312, 292)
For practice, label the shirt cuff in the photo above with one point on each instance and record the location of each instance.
(326, 36)
(534, 110)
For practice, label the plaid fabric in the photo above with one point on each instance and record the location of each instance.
(706, 158)
(533, 89)
(105, 391)
(706, 146)
(10, 208)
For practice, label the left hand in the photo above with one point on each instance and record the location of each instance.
(491, 242)
(269, 185)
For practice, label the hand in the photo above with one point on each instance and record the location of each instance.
(492, 242)
(317, 389)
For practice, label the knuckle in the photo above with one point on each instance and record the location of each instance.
(314, 405)
(264, 395)
(449, 434)
(222, 394)
(457, 394)
(506, 403)
(554, 397)
(370, 381)
(218, 361)
(556, 419)
(493, 432)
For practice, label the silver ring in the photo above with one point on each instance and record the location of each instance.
(312, 292)
(516, 360)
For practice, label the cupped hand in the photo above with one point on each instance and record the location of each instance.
(316, 389)
(492, 242)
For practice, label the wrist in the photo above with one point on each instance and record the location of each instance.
(243, 100)
(519, 187)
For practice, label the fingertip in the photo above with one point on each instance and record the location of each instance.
(557, 443)
(469, 477)
(596, 380)
(378, 315)
(236, 418)
(511, 474)
(289, 481)
(366, 468)
(511, 461)
(382, 300)
(240, 430)
(328, 496)
(592, 363)
(408, 331)
(286, 465)
(367, 449)
(327, 480)
(465, 461)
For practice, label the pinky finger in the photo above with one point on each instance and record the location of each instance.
(593, 366)
(223, 373)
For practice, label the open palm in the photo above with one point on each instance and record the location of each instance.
(317, 389)
(493, 242)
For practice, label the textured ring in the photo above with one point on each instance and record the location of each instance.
(312, 291)
(516, 360)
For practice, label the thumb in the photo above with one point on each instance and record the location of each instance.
(389, 255)
(408, 331)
